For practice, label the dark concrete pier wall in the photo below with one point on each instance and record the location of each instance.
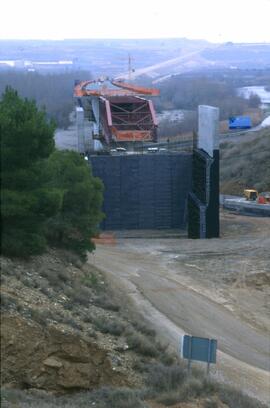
(146, 191)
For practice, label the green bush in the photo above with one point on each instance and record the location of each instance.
(77, 221)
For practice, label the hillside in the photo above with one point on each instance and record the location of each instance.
(68, 339)
(156, 58)
(246, 164)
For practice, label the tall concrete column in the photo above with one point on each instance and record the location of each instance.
(203, 202)
(208, 134)
(80, 129)
(95, 108)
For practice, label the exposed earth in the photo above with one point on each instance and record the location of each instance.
(215, 288)
(69, 330)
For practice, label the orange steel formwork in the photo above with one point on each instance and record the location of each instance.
(81, 89)
(123, 114)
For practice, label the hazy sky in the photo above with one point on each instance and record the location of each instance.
(213, 20)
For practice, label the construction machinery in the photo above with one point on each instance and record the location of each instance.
(264, 198)
(251, 195)
(260, 198)
(117, 110)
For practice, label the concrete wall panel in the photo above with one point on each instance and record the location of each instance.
(144, 191)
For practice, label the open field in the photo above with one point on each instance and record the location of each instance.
(217, 288)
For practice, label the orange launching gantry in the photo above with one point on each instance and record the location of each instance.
(118, 112)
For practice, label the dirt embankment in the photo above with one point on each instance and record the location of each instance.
(61, 329)
(52, 359)
(68, 339)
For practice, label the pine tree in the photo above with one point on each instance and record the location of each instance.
(27, 140)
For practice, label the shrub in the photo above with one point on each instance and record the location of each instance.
(169, 398)
(235, 398)
(141, 344)
(80, 212)
(70, 321)
(210, 403)
(106, 302)
(81, 295)
(110, 325)
(41, 316)
(90, 280)
(117, 398)
(8, 302)
(102, 398)
(163, 378)
(52, 277)
(144, 328)
(192, 388)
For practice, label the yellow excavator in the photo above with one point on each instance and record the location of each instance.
(251, 195)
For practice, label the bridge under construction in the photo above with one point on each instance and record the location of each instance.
(148, 192)
(118, 112)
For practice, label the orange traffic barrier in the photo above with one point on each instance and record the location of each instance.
(104, 239)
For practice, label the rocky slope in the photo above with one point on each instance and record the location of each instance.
(53, 316)
(68, 340)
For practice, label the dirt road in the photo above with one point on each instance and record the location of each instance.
(215, 288)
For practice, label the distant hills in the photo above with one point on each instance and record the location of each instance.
(155, 58)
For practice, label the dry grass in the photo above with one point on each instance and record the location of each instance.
(114, 326)
(246, 165)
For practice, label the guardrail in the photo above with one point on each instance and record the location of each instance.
(242, 206)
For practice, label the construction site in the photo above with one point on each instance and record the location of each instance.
(151, 184)
(135, 253)
(147, 187)
(188, 261)
(162, 197)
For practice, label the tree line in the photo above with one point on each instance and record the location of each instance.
(48, 197)
(187, 93)
(52, 92)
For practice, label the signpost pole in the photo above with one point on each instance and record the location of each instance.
(209, 358)
(189, 366)
(189, 354)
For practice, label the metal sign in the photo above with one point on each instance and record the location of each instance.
(199, 348)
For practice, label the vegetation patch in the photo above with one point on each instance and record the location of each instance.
(141, 344)
(48, 196)
(110, 325)
(246, 164)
